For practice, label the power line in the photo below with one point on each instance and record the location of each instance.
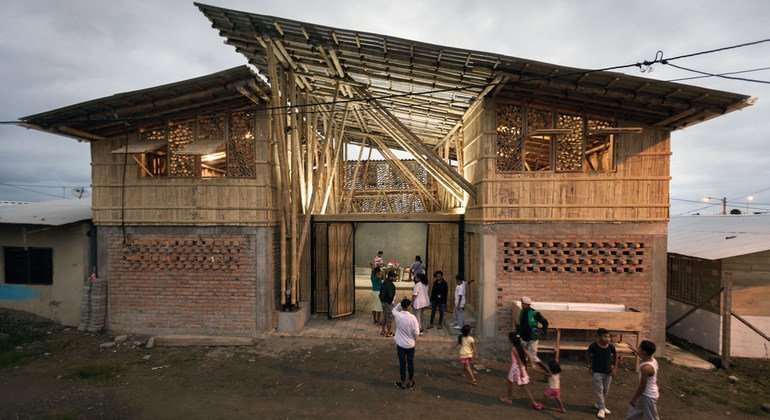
(31, 190)
(718, 75)
(642, 65)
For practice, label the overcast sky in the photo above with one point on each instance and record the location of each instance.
(58, 53)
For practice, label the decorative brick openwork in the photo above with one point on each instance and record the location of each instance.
(574, 256)
(190, 254)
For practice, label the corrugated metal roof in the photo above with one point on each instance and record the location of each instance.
(51, 213)
(717, 237)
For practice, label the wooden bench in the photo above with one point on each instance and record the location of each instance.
(629, 321)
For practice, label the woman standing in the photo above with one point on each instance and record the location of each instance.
(376, 285)
(420, 297)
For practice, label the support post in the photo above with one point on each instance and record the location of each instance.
(727, 284)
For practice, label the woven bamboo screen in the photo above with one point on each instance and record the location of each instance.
(381, 188)
(234, 158)
(579, 150)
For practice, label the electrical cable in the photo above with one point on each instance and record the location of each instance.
(720, 74)
(642, 65)
(743, 79)
(30, 190)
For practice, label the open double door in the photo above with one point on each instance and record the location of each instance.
(334, 288)
(334, 279)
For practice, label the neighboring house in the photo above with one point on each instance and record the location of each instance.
(702, 252)
(534, 179)
(45, 257)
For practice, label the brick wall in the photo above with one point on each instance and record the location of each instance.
(183, 284)
(573, 268)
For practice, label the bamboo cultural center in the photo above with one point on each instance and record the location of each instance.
(225, 201)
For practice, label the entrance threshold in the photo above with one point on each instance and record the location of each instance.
(360, 325)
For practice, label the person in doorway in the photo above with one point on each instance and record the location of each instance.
(602, 359)
(644, 403)
(407, 332)
(387, 295)
(376, 286)
(378, 261)
(530, 326)
(417, 267)
(459, 315)
(518, 372)
(438, 298)
(420, 298)
(467, 352)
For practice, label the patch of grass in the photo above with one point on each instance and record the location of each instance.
(60, 415)
(9, 352)
(98, 371)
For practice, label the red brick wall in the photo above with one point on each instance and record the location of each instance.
(573, 268)
(182, 284)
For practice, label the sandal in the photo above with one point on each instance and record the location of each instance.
(538, 406)
(390, 334)
(474, 383)
(505, 400)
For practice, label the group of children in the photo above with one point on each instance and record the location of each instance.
(602, 360)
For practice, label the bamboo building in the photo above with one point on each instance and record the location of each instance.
(223, 199)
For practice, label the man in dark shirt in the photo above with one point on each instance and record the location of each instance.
(438, 296)
(531, 324)
(387, 295)
(602, 359)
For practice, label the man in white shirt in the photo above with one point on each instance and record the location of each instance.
(407, 331)
(459, 316)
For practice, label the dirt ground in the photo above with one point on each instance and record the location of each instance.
(52, 372)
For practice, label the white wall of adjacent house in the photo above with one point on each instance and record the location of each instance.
(744, 342)
(704, 328)
(59, 301)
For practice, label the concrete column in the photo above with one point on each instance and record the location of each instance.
(487, 317)
(658, 284)
(264, 279)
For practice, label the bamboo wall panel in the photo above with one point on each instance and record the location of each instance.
(443, 253)
(636, 190)
(479, 138)
(321, 267)
(342, 288)
(180, 200)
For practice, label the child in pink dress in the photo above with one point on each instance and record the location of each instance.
(518, 372)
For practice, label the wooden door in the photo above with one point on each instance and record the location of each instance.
(342, 286)
(443, 254)
(320, 268)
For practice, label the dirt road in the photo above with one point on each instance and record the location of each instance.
(54, 373)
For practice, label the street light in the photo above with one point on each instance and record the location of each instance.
(723, 200)
(749, 199)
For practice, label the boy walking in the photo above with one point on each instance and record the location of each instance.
(602, 359)
(644, 403)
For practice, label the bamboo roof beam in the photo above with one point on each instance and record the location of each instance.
(443, 172)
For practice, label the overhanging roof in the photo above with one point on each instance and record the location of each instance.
(384, 65)
(95, 119)
(50, 213)
(717, 237)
